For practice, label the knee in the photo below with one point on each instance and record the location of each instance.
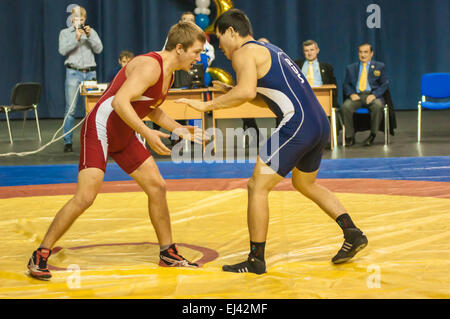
(84, 201)
(303, 187)
(255, 187)
(251, 185)
(156, 188)
(347, 106)
(377, 104)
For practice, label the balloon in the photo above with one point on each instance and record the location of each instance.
(221, 7)
(202, 3)
(202, 7)
(203, 60)
(208, 79)
(205, 11)
(202, 20)
(221, 75)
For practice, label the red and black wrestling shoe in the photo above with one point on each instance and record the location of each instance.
(171, 258)
(37, 265)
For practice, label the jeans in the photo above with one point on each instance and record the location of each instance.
(73, 80)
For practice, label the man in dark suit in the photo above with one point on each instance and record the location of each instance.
(364, 85)
(317, 73)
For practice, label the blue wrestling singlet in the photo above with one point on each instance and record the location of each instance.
(304, 130)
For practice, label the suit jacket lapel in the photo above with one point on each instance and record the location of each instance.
(356, 73)
(370, 76)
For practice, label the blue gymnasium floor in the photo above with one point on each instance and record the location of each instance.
(436, 168)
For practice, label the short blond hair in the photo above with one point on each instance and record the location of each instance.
(79, 11)
(307, 43)
(184, 33)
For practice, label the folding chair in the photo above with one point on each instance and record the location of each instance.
(24, 97)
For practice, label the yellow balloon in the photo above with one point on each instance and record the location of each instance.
(221, 75)
(221, 7)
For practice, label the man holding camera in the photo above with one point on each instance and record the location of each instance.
(78, 44)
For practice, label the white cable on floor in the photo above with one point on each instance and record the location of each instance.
(53, 140)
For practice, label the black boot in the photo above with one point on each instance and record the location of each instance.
(369, 141)
(349, 141)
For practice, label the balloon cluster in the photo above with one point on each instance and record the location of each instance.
(202, 12)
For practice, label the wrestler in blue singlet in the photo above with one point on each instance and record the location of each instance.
(303, 132)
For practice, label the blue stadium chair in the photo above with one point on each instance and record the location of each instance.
(435, 86)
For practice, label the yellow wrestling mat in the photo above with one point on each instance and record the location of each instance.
(110, 251)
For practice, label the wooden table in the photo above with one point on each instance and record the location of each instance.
(254, 109)
(258, 109)
(176, 111)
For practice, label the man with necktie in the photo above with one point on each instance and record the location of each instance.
(364, 85)
(317, 72)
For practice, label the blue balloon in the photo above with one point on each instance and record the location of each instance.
(202, 21)
(208, 79)
(204, 60)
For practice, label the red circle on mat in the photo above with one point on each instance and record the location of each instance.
(208, 254)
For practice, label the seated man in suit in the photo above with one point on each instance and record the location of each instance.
(364, 85)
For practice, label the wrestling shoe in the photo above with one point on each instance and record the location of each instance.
(354, 241)
(171, 258)
(252, 264)
(37, 265)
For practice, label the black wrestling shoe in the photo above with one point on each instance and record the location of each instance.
(252, 264)
(354, 241)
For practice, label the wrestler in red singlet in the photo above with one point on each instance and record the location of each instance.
(104, 132)
(112, 128)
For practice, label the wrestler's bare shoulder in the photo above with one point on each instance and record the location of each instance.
(143, 64)
(259, 53)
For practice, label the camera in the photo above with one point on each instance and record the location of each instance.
(81, 26)
(197, 75)
(194, 78)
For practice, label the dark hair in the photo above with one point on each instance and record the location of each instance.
(236, 19)
(370, 46)
(184, 33)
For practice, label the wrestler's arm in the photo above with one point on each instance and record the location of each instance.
(159, 117)
(187, 132)
(245, 90)
(141, 74)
